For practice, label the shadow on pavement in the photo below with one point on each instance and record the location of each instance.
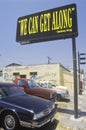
(82, 113)
(66, 111)
(71, 112)
(65, 100)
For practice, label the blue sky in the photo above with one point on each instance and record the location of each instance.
(60, 51)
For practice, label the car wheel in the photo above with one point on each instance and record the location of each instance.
(58, 97)
(10, 121)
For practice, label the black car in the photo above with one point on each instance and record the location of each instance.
(18, 109)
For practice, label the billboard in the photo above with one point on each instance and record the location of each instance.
(53, 24)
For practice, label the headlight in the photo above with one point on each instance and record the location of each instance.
(44, 113)
(39, 115)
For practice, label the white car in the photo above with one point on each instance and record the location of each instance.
(62, 91)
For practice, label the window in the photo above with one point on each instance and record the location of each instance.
(22, 76)
(22, 83)
(16, 74)
(33, 73)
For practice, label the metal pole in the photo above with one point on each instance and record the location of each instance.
(79, 70)
(75, 77)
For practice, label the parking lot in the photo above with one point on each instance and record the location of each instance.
(64, 119)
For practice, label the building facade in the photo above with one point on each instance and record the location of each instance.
(56, 73)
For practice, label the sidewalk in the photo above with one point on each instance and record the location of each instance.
(67, 120)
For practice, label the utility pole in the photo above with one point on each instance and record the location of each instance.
(81, 60)
(49, 59)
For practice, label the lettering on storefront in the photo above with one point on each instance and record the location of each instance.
(50, 75)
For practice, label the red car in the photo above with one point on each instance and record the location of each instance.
(31, 87)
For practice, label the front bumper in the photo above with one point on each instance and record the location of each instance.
(40, 122)
(64, 96)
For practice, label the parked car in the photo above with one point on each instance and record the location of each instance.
(62, 91)
(19, 109)
(31, 87)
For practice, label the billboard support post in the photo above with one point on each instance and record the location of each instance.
(75, 78)
(79, 71)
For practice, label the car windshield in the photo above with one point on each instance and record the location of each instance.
(10, 91)
(47, 85)
(33, 84)
(44, 85)
(50, 85)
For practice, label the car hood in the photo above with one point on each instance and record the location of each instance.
(62, 87)
(43, 90)
(28, 102)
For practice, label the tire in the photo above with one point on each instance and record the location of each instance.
(10, 121)
(58, 97)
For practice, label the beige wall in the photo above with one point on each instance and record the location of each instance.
(47, 72)
(44, 72)
(68, 80)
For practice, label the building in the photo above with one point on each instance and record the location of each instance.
(46, 72)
